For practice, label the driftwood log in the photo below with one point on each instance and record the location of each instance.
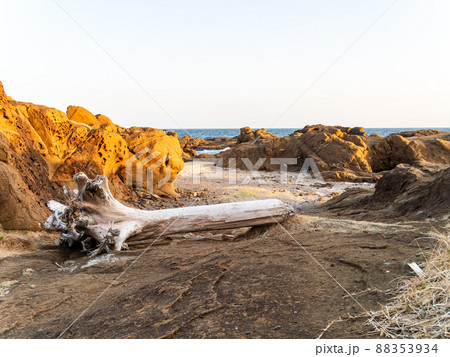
(99, 222)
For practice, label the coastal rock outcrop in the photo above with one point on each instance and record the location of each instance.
(248, 135)
(166, 155)
(396, 149)
(336, 153)
(84, 116)
(191, 145)
(44, 147)
(25, 187)
(405, 192)
(340, 153)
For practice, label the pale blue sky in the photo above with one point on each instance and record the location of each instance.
(233, 63)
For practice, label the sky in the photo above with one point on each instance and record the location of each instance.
(227, 64)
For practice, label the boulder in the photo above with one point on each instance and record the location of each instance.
(397, 149)
(405, 192)
(84, 116)
(248, 135)
(336, 129)
(188, 142)
(167, 161)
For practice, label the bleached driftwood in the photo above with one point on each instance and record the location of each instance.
(101, 223)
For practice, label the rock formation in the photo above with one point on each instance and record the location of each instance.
(43, 147)
(190, 145)
(341, 153)
(396, 149)
(248, 135)
(404, 192)
(167, 158)
(84, 116)
(24, 187)
(338, 154)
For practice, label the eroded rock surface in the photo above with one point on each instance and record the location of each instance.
(404, 193)
(42, 147)
(262, 285)
(191, 145)
(340, 153)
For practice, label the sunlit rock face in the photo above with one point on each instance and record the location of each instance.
(42, 147)
(340, 153)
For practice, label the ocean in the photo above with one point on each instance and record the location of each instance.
(214, 133)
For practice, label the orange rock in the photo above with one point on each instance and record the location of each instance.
(101, 153)
(167, 161)
(2, 92)
(248, 135)
(47, 147)
(103, 119)
(84, 116)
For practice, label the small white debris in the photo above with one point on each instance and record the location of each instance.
(416, 269)
(55, 206)
(107, 258)
(70, 268)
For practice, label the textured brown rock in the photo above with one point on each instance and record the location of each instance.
(172, 133)
(248, 135)
(332, 150)
(24, 188)
(421, 132)
(209, 288)
(190, 145)
(404, 192)
(19, 206)
(188, 141)
(396, 149)
(332, 129)
(341, 153)
(3, 155)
